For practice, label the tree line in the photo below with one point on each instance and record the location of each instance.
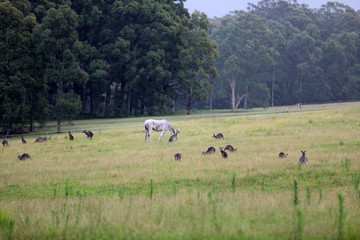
(62, 59)
(115, 58)
(281, 53)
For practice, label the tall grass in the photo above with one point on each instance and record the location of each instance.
(341, 217)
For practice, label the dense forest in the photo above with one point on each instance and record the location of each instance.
(63, 59)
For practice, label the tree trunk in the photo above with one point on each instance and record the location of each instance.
(128, 104)
(246, 96)
(83, 100)
(92, 103)
(239, 99)
(273, 87)
(233, 97)
(31, 124)
(107, 100)
(301, 87)
(173, 108)
(189, 101)
(58, 127)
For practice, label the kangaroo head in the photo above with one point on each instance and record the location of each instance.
(19, 157)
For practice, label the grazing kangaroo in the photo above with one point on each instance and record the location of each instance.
(303, 159)
(211, 150)
(23, 140)
(174, 137)
(177, 157)
(223, 153)
(282, 155)
(230, 148)
(46, 139)
(219, 135)
(89, 134)
(39, 139)
(5, 143)
(24, 157)
(71, 137)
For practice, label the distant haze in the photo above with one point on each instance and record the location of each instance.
(219, 8)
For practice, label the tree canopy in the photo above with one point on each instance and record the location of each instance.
(282, 53)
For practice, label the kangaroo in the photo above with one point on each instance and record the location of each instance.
(177, 157)
(23, 140)
(174, 137)
(282, 155)
(219, 135)
(39, 139)
(211, 150)
(46, 139)
(24, 157)
(223, 153)
(303, 159)
(230, 148)
(71, 137)
(5, 143)
(89, 134)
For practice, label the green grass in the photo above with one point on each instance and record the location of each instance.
(117, 186)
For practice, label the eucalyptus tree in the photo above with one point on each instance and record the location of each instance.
(141, 44)
(57, 44)
(246, 47)
(16, 64)
(340, 63)
(197, 58)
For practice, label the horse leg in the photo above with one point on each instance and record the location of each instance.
(162, 135)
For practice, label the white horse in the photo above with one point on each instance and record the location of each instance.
(159, 126)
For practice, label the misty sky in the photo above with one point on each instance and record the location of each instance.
(219, 8)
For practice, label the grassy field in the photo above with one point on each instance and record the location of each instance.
(116, 186)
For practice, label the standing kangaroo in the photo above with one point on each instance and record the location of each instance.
(177, 157)
(211, 150)
(23, 140)
(24, 157)
(219, 135)
(230, 148)
(223, 153)
(71, 137)
(303, 159)
(89, 134)
(174, 137)
(5, 143)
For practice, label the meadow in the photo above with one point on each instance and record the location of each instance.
(117, 186)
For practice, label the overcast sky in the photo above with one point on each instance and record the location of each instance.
(219, 8)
